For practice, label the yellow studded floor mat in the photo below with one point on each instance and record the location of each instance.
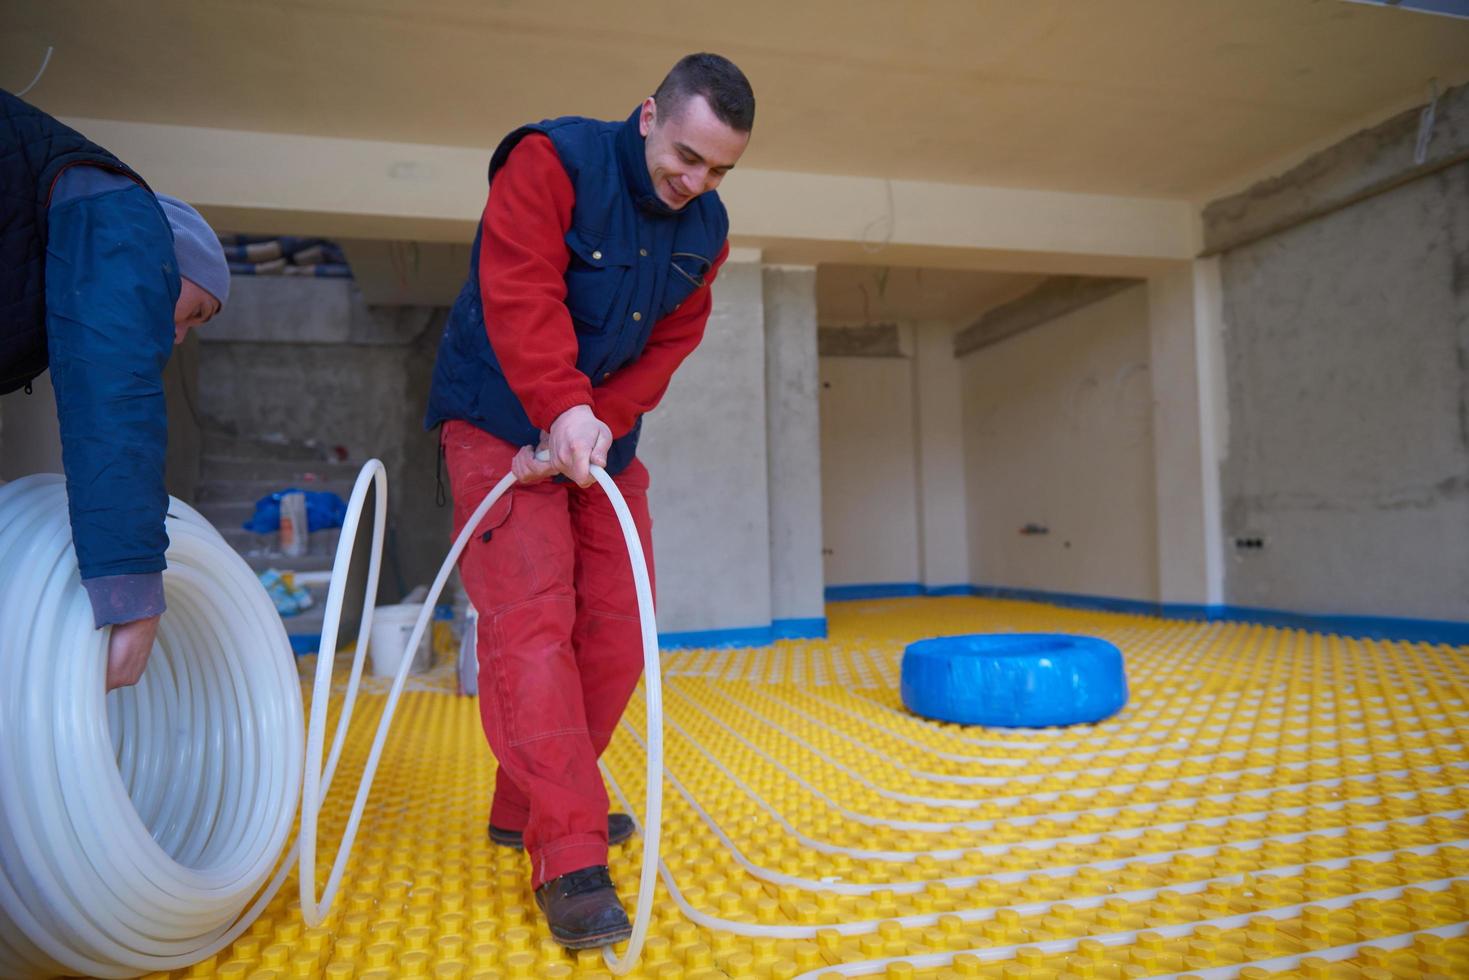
(1270, 803)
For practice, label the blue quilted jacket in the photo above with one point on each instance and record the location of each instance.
(87, 287)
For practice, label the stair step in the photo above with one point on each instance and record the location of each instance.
(263, 446)
(285, 563)
(302, 473)
(248, 542)
(236, 491)
(227, 514)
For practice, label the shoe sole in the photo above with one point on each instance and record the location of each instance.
(592, 942)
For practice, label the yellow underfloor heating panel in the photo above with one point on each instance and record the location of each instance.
(1271, 803)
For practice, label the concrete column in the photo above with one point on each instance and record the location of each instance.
(1184, 326)
(793, 438)
(705, 446)
(939, 418)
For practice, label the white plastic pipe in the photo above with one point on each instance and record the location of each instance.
(319, 777)
(653, 688)
(136, 827)
(135, 831)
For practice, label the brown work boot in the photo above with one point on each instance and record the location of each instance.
(583, 910)
(620, 827)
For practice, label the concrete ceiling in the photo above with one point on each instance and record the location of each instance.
(1169, 98)
(849, 295)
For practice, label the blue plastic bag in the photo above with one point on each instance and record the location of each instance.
(1027, 680)
(324, 510)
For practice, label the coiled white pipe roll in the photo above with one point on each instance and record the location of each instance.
(144, 853)
(137, 825)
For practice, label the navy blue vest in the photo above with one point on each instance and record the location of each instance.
(633, 260)
(34, 149)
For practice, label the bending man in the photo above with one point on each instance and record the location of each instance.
(107, 278)
(588, 286)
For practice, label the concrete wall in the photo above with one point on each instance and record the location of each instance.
(30, 437)
(1058, 433)
(869, 510)
(1347, 355)
(1345, 344)
(793, 440)
(892, 456)
(705, 446)
(734, 549)
(185, 430)
(307, 359)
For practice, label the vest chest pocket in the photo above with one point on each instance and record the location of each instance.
(674, 294)
(599, 280)
(689, 271)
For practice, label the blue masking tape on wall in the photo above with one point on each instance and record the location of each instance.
(1452, 632)
(747, 636)
(1030, 680)
(873, 590)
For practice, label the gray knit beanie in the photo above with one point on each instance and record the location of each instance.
(201, 257)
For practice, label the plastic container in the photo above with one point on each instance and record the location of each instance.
(1024, 680)
(391, 628)
(294, 529)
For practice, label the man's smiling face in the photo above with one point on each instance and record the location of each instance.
(689, 150)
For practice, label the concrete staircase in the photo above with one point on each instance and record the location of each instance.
(236, 471)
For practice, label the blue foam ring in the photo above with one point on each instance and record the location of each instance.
(1030, 680)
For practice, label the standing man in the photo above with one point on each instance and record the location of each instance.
(588, 286)
(100, 278)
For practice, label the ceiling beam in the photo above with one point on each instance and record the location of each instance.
(1055, 297)
(280, 183)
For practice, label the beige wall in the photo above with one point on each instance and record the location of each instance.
(942, 515)
(1058, 433)
(869, 505)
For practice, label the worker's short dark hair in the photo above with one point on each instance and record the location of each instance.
(718, 80)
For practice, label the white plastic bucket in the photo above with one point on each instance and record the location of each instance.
(391, 628)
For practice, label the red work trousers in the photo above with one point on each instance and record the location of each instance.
(560, 645)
